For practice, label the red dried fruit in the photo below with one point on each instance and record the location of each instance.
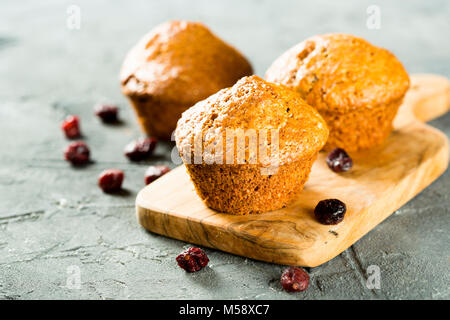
(107, 113)
(140, 149)
(330, 211)
(294, 279)
(154, 172)
(193, 259)
(77, 153)
(339, 161)
(71, 127)
(111, 180)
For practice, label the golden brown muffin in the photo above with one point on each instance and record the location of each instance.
(356, 87)
(174, 66)
(237, 178)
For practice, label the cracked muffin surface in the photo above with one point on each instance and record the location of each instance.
(356, 86)
(238, 184)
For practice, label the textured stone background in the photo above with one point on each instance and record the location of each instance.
(53, 216)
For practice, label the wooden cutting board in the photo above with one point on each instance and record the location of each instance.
(380, 182)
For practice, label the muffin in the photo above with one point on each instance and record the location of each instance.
(250, 148)
(174, 66)
(355, 86)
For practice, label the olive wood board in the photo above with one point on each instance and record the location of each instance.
(380, 182)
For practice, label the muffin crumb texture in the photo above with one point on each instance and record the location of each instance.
(244, 187)
(356, 87)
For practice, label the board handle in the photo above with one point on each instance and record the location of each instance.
(428, 98)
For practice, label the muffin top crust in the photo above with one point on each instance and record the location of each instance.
(340, 73)
(253, 103)
(181, 62)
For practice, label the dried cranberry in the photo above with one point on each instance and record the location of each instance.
(111, 180)
(193, 259)
(71, 127)
(140, 149)
(330, 211)
(77, 153)
(339, 161)
(107, 113)
(294, 279)
(154, 172)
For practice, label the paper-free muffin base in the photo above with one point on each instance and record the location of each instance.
(156, 118)
(242, 189)
(356, 130)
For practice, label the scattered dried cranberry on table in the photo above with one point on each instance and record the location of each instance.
(339, 161)
(193, 259)
(140, 149)
(107, 113)
(111, 180)
(330, 211)
(77, 153)
(294, 279)
(154, 172)
(71, 127)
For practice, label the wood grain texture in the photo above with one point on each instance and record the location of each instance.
(381, 181)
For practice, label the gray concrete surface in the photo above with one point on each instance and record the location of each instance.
(53, 217)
